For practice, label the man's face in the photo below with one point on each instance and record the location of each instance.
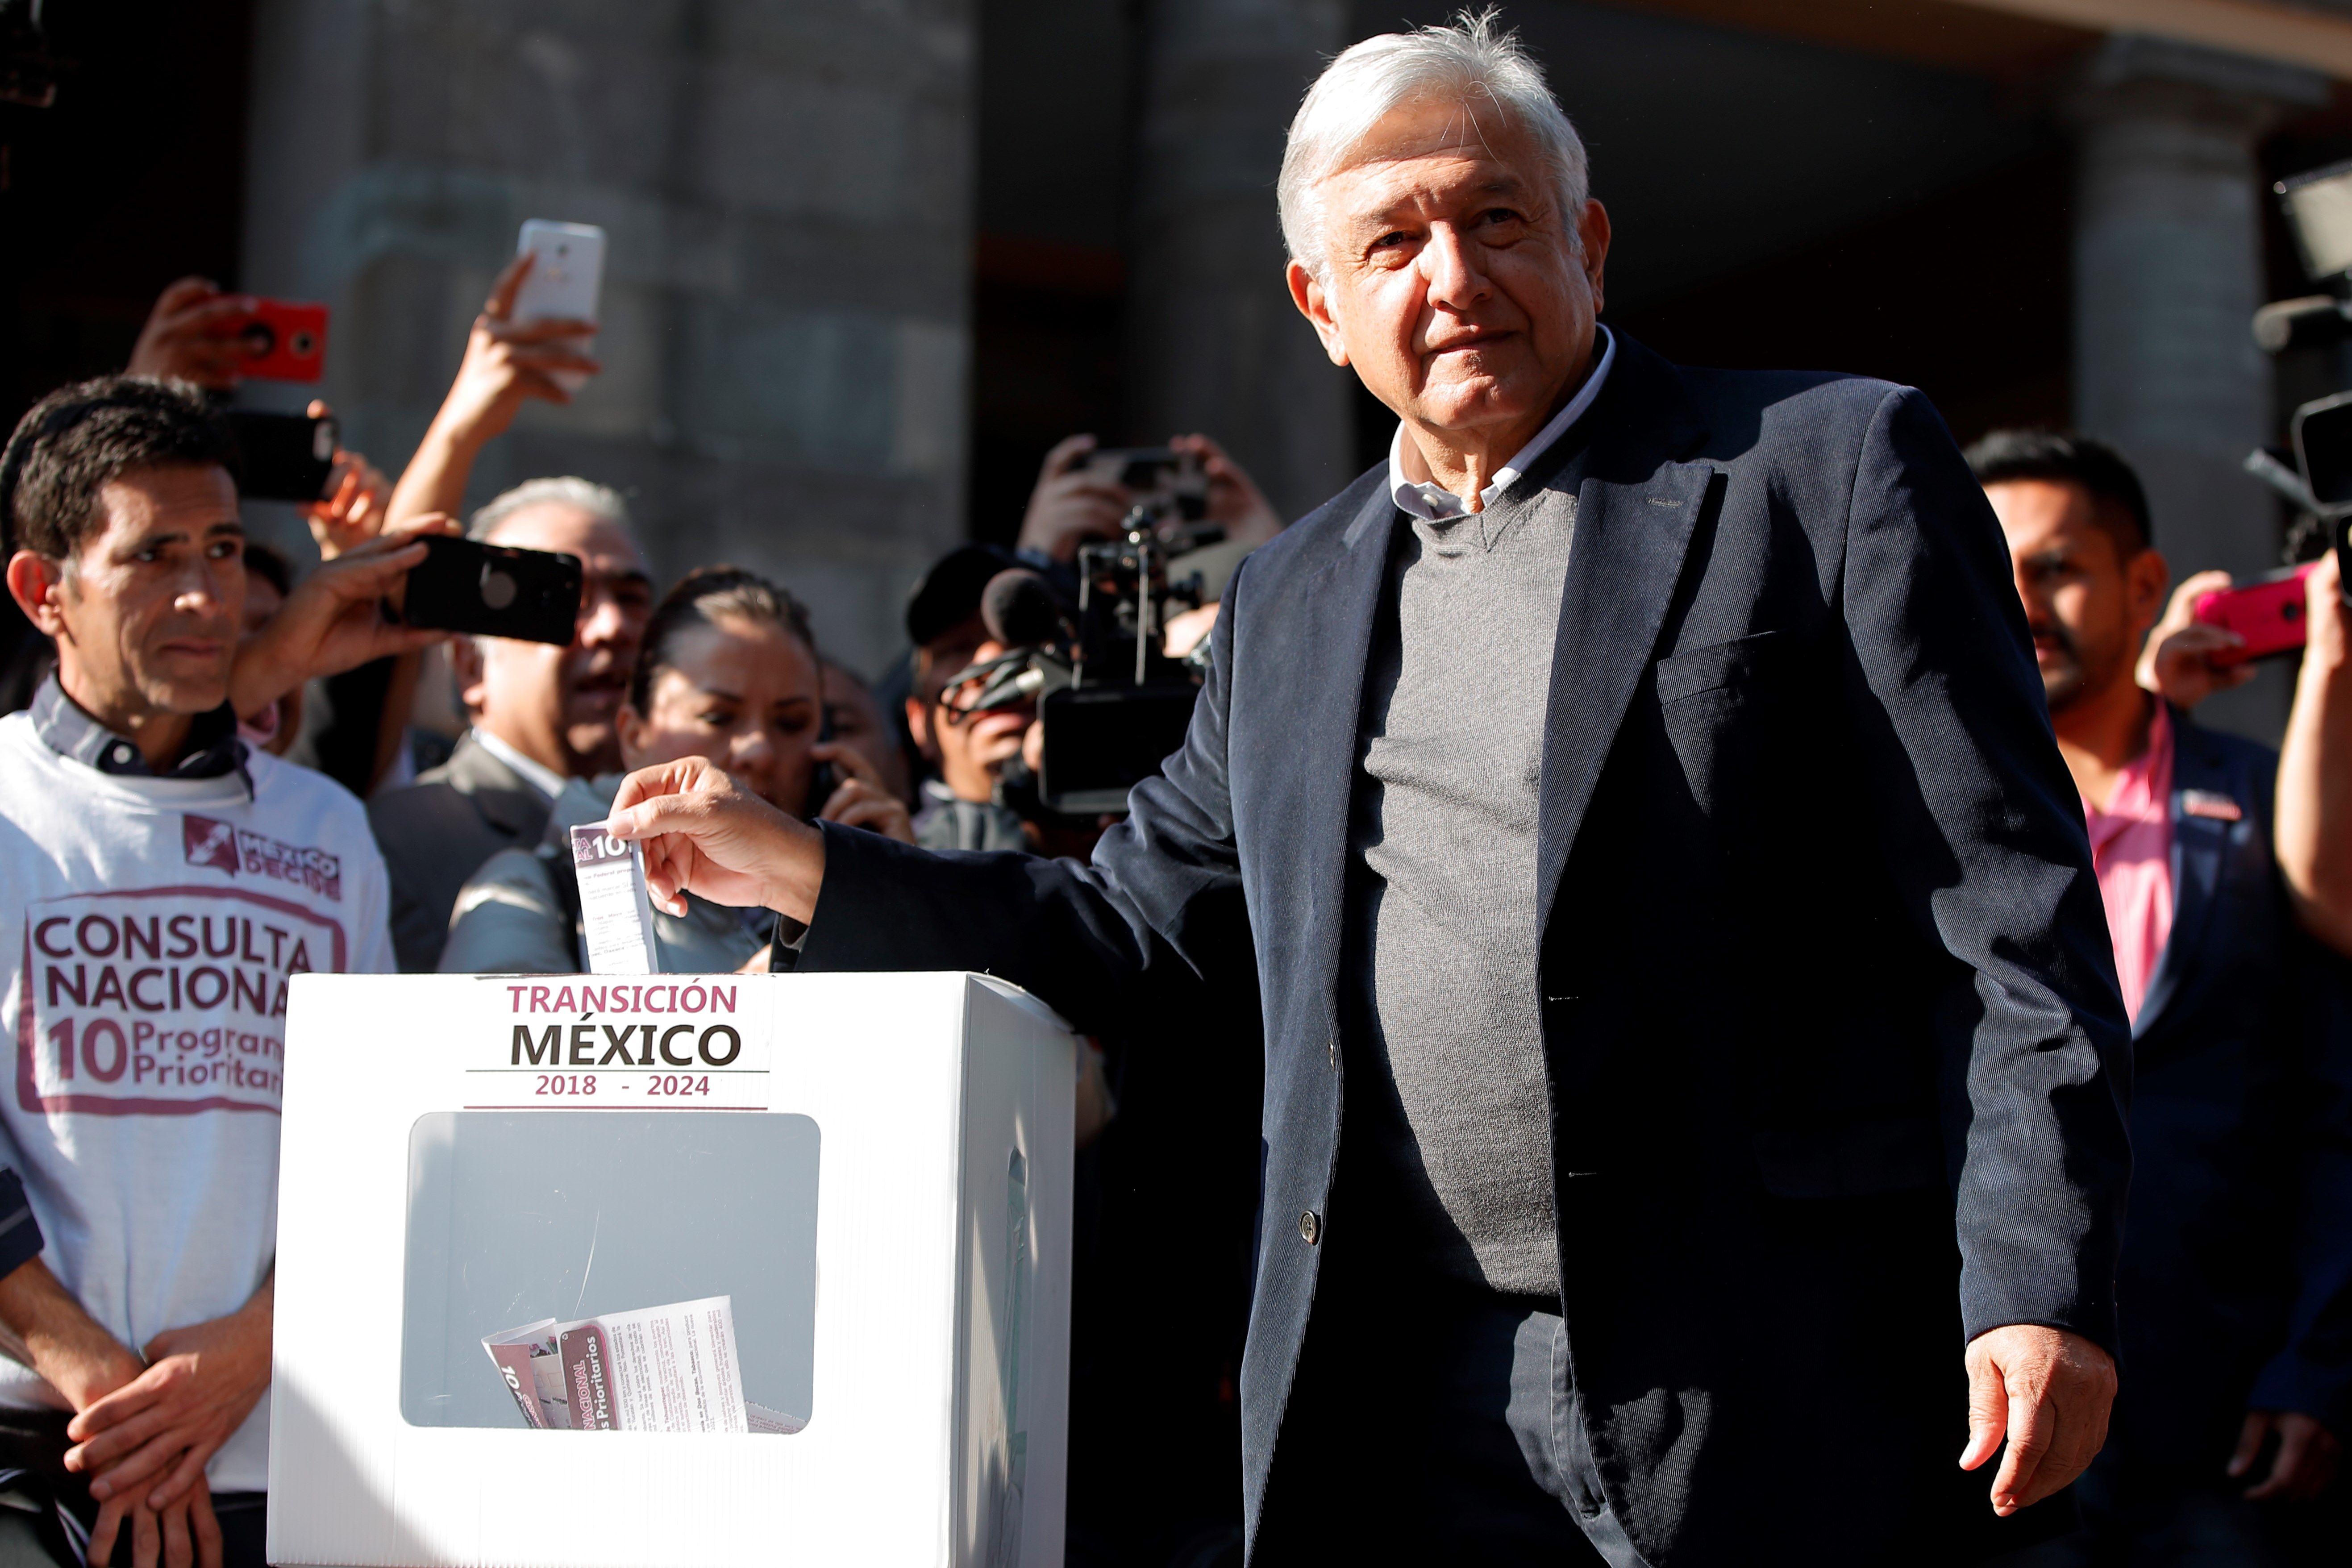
(2088, 601)
(970, 749)
(1453, 281)
(560, 705)
(148, 614)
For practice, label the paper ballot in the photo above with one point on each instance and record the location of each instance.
(660, 1369)
(525, 1357)
(615, 905)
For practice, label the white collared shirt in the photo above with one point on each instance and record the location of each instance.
(537, 774)
(1433, 501)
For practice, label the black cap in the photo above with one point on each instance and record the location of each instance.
(950, 592)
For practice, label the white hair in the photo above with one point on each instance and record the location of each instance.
(1471, 60)
(597, 500)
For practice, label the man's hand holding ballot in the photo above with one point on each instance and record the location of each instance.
(704, 832)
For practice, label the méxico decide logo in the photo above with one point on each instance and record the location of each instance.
(224, 847)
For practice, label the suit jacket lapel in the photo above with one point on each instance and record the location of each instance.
(1637, 510)
(498, 792)
(1336, 615)
(2199, 845)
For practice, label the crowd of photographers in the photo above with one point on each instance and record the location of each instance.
(212, 754)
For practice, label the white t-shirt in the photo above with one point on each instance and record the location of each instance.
(150, 925)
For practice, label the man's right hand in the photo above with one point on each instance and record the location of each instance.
(705, 833)
(1070, 505)
(191, 335)
(507, 363)
(331, 621)
(2177, 662)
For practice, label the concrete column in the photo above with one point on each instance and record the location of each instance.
(2168, 272)
(1216, 345)
(787, 185)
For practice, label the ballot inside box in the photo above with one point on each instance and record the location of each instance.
(677, 1270)
(667, 1260)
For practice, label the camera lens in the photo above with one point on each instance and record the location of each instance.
(497, 588)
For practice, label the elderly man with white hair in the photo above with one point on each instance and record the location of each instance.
(1633, 807)
(539, 714)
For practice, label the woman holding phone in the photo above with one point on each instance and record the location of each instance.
(728, 673)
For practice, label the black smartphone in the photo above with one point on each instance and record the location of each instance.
(286, 457)
(824, 778)
(493, 591)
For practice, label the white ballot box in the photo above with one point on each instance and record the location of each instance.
(577, 1271)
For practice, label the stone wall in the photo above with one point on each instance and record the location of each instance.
(787, 188)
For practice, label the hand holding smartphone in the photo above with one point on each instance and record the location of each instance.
(493, 591)
(2267, 612)
(565, 283)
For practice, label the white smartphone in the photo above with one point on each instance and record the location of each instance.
(566, 277)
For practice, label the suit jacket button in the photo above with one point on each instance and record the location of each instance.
(1310, 1227)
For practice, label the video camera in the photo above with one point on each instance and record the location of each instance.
(2317, 474)
(1112, 705)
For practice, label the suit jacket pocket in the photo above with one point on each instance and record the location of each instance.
(1853, 1159)
(1714, 667)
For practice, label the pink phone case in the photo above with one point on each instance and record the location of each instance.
(2267, 613)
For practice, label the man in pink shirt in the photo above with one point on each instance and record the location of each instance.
(2235, 1286)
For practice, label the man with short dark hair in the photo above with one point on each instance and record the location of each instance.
(160, 883)
(2236, 1273)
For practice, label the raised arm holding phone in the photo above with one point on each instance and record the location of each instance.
(507, 364)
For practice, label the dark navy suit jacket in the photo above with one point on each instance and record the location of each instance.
(2236, 1280)
(1837, 1061)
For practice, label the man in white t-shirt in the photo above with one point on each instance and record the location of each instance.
(160, 883)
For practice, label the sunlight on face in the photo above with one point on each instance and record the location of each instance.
(153, 604)
(2085, 604)
(741, 693)
(1454, 282)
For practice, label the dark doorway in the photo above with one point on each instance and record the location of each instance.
(133, 176)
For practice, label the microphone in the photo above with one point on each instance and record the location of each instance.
(1019, 610)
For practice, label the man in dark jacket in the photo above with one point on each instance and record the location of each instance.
(2236, 1279)
(1636, 808)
